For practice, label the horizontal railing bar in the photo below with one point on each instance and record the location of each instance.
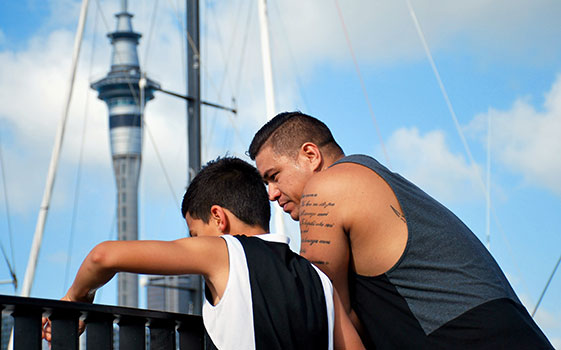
(133, 324)
(11, 303)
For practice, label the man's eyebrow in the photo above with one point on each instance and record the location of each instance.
(266, 175)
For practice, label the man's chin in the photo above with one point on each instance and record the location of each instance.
(294, 215)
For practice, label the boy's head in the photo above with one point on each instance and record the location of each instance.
(232, 184)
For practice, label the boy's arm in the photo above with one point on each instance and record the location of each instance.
(345, 335)
(207, 256)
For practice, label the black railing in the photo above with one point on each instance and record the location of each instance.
(134, 325)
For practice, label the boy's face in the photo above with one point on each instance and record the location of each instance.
(198, 227)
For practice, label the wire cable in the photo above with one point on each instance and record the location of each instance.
(362, 84)
(546, 286)
(150, 31)
(458, 128)
(80, 163)
(8, 220)
(293, 61)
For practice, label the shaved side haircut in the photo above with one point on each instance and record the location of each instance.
(287, 131)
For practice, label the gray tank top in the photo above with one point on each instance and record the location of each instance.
(444, 271)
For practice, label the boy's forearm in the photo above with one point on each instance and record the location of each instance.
(93, 274)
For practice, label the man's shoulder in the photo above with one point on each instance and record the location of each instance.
(344, 176)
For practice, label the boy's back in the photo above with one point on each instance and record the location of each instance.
(274, 299)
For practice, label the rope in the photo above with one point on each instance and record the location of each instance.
(362, 85)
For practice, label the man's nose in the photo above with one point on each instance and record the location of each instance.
(274, 192)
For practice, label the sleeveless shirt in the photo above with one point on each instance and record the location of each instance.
(274, 299)
(445, 291)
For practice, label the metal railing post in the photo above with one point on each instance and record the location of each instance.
(64, 327)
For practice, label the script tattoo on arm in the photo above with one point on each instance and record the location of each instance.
(314, 213)
(398, 213)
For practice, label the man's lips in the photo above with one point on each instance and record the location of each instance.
(284, 205)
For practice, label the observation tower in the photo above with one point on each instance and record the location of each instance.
(125, 102)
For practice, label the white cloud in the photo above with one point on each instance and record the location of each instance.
(526, 139)
(384, 31)
(427, 161)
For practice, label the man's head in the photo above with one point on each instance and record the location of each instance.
(288, 131)
(227, 186)
(288, 150)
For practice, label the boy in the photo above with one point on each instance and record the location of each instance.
(259, 294)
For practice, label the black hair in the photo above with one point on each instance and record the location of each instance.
(232, 184)
(287, 131)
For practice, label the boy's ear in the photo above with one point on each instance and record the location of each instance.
(219, 217)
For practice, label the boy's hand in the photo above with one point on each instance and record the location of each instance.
(46, 324)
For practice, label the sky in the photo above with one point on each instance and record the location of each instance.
(359, 66)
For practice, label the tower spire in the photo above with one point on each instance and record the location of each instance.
(121, 92)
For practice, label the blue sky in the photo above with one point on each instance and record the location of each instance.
(498, 60)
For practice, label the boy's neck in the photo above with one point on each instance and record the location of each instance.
(247, 230)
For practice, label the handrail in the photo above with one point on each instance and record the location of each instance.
(134, 325)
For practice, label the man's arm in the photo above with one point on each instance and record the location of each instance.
(345, 335)
(324, 240)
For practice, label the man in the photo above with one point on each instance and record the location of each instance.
(259, 294)
(408, 271)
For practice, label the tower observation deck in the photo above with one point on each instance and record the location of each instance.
(120, 90)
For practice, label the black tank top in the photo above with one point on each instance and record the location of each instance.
(289, 310)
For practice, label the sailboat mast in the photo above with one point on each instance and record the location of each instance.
(194, 117)
(269, 89)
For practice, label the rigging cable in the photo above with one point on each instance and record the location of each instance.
(226, 77)
(459, 129)
(296, 70)
(80, 162)
(204, 67)
(546, 286)
(43, 211)
(363, 86)
(9, 222)
(208, 140)
(150, 31)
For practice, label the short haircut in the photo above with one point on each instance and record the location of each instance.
(287, 131)
(232, 184)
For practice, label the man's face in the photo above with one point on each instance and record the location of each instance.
(198, 227)
(285, 177)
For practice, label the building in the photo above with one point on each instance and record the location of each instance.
(173, 294)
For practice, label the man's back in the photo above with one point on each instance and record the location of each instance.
(445, 290)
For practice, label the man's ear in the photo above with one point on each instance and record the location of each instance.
(219, 217)
(311, 154)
